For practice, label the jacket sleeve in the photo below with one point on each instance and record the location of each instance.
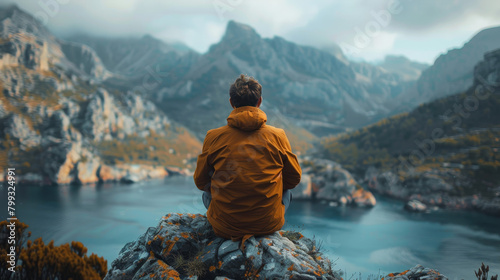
(201, 175)
(291, 168)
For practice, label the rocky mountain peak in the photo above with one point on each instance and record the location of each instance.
(15, 20)
(487, 72)
(487, 34)
(164, 47)
(409, 70)
(153, 43)
(236, 31)
(8, 11)
(453, 72)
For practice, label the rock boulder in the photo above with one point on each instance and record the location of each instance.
(184, 246)
(418, 272)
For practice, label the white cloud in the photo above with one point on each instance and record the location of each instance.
(319, 23)
(377, 48)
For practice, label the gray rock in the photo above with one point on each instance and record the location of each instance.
(327, 180)
(304, 189)
(85, 59)
(227, 247)
(418, 272)
(156, 270)
(189, 237)
(18, 127)
(415, 206)
(130, 179)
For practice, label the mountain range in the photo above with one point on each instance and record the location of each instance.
(452, 72)
(103, 97)
(60, 124)
(443, 153)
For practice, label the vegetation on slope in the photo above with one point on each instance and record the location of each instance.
(37, 260)
(172, 148)
(153, 149)
(459, 132)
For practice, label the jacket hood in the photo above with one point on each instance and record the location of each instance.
(247, 118)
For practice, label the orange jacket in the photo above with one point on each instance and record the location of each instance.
(250, 164)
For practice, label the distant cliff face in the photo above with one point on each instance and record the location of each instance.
(453, 72)
(94, 89)
(443, 153)
(408, 69)
(309, 87)
(307, 91)
(326, 180)
(26, 42)
(60, 124)
(134, 57)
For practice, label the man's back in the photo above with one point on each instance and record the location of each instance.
(252, 164)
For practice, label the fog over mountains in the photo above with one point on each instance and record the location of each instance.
(308, 86)
(317, 89)
(452, 72)
(53, 88)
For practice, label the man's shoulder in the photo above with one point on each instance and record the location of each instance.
(274, 130)
(216, 131)
(266, 129)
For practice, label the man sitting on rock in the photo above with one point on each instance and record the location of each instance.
(246, 169)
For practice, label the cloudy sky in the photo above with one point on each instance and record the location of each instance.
(366, 30)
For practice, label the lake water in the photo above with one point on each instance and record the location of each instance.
(367, 241)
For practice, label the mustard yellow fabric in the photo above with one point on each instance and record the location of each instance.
(250, 164)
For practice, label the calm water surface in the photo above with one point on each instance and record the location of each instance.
(379, 240)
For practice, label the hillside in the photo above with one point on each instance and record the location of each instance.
(134, 58)
(452, 72)
(445, 148)
(410, 70)
(307, 91)
(143, 101)
(310, 89)
(60, 124)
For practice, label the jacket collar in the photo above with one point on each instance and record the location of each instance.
(247, 118)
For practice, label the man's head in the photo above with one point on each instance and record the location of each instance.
(245, 91)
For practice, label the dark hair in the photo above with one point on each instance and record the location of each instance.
(245, 91)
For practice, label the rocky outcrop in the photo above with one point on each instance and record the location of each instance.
(415, 206)
(68, 162)
(418, 272)
(29, 43)
(18, 127)
(85, 60)
(326, 180)
(453, 72)
(184, 246)
(131, 173)
(174, 170)
(55, 113)
(64, 138)
(487, 73)
(432, 189)
(139, 57)
(428, 184)
(24, 41)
